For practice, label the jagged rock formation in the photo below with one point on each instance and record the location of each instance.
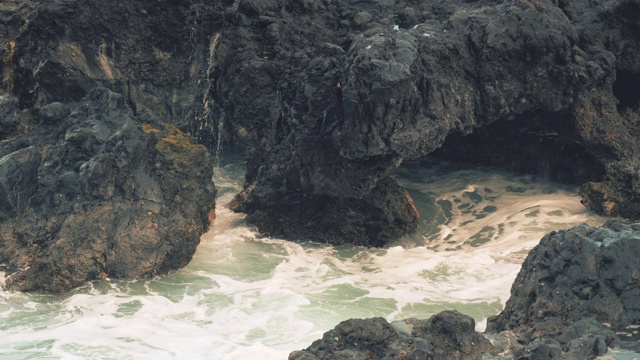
(329, 97)
(94, 182)
(571, 284)
(91, 192)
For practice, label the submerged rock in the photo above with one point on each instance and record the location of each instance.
(97, 193)
(447, 335)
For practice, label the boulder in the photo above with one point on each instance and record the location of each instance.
(578, 287)
(100, 194)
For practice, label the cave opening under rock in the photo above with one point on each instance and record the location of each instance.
(542, 143)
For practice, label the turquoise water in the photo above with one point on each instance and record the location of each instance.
(245, 296)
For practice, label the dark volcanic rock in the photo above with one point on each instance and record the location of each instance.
(91, 184)
(447, 335)
(329, 98)
(94, 193)
(9, 119)
(387, 212)
(571, 284)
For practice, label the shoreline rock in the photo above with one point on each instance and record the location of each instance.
(98, 94)
(571, 284)
(446, 335)
(93, 193)
(329, 98)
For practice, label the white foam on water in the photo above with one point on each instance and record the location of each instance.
(244, 296)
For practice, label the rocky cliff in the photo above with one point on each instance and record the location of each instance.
(93, 192)
(155, 53)
(328, 97)
(96, 179)
(574, 298)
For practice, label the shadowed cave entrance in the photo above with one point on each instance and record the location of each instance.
(544, 143)
(464, 206)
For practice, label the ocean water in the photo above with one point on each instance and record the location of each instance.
(245, 296)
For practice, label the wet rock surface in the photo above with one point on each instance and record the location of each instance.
(577, 292)
(447, 335)
(93, 192)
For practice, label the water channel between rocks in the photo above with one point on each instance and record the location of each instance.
(245, 297)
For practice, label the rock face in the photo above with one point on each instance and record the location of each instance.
(329, 97)
(571, 284)
(155, 53)
(92, 192)
(17, 172)
(447, 335)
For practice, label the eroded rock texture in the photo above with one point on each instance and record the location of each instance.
(330, 96)
(576, 290)
(327, 97)
(92, 192)
(96, 179)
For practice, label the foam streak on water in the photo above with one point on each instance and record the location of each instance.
(248, 297)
